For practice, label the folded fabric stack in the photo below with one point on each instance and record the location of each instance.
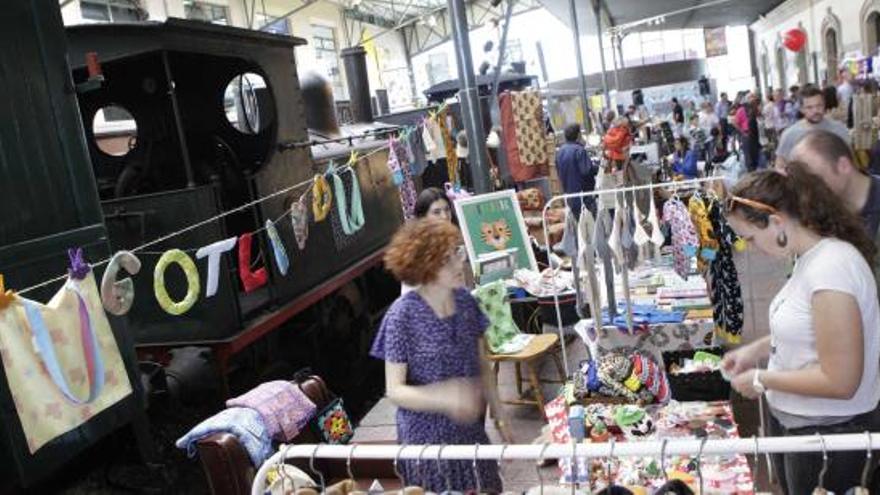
(643, 315)
(545, 283)
(276, 410)
(702, 362)
(636, 377)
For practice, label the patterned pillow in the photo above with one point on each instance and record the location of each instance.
(530, 199)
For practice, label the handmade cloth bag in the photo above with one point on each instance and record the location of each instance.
(77, 347)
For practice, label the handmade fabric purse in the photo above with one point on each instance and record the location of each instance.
(332, 424)
(299, 218)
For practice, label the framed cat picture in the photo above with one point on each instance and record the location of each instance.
(492, 223)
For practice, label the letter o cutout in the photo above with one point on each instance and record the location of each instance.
(192, 281)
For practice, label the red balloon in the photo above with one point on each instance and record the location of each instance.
(794, 39)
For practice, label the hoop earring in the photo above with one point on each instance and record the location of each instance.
(782, 239)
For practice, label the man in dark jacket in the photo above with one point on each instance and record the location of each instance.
(577, 172)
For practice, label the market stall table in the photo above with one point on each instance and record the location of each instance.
(656, 286)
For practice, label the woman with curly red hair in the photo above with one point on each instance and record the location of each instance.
(431, 340)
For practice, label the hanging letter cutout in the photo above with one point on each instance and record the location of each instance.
(192, 282)
(213, 252)
(281, 260)
(251, 280)
(118, 296)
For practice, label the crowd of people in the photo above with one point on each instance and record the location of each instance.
(815, 202)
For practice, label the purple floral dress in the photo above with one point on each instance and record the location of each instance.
(436, 349)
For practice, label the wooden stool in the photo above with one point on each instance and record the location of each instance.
(540, 346)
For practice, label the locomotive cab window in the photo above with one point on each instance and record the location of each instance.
(115, 130)
(247, 103)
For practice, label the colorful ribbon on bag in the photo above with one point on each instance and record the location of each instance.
(350, 223)
(46, 350)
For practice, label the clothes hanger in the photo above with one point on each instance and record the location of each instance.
(445, 472)
(700, 463)
(419, 470)
(608, 472)
(663, 460)
(315, 470)
(757, 463)
(354, 485)
(397, 472)
(279, 468)
(820, 489)
(474, 467)
(866, 471)
(499, 462)
(538, 467)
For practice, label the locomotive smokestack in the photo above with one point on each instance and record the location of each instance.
(354, 60)
(320, 106)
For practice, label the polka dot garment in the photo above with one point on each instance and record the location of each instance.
(437, 349)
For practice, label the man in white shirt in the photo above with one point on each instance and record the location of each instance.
(813, 109)
(844, 91)
(708, 118)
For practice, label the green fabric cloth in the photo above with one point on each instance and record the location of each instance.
(628, 415)
(502, 336)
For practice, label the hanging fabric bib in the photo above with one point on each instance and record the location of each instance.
(299, 219)
(353, 222)
(322, 198)
(61, 360)
(281, 260)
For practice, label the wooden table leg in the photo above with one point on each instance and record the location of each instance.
(559, 368)
(536, 384)
(519, 378)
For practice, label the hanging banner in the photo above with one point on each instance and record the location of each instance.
(77, 371)
(716, 42)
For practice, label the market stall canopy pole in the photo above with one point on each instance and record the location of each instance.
(597, 10)
(576, 32)
(469, 98)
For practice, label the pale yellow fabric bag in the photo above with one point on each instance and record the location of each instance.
(44, 411)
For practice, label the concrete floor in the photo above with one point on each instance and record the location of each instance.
(760, 278)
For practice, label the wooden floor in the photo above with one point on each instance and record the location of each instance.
(760, 279)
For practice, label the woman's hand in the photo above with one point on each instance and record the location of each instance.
(463, 399)
(735, 362)
(742, 383)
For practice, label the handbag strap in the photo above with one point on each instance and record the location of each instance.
(46, 350)
(353, 222)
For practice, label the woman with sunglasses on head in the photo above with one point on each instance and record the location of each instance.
(824, 342)
(431, 340)
(431, 203)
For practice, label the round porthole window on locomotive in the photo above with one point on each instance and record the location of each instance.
(115, 130)
(247, 103)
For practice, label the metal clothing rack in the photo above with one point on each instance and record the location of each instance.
(662, 448)
(561, 197)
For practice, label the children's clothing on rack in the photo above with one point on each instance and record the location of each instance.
(401, 175)
(724, 286)
(603, 249)
(587, 282)
(684, 237)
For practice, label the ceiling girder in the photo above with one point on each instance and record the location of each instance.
(421, 37)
